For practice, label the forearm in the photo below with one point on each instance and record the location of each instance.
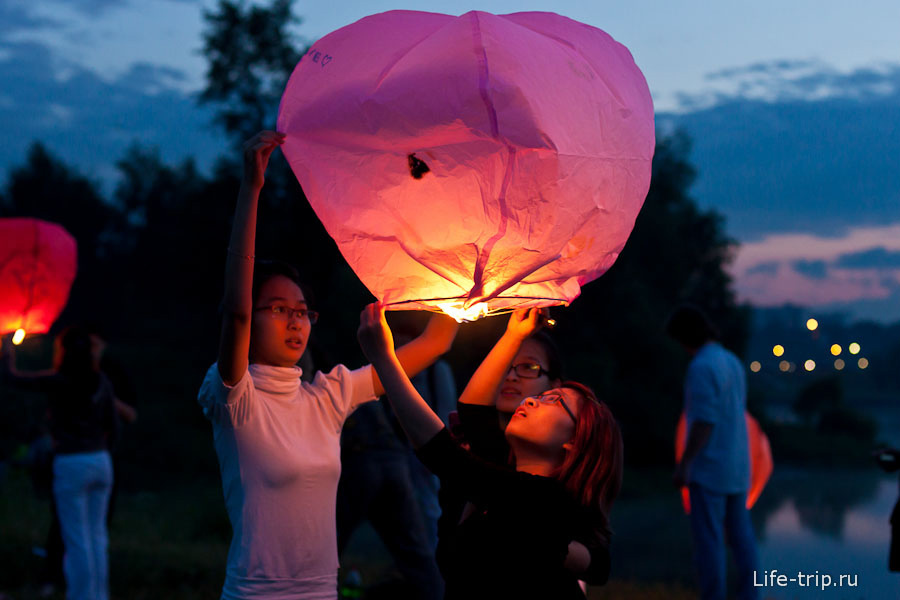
(417, 355)
(482, 388)
(415, 416)
(697, 439)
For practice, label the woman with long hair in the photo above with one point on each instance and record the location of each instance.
(277, 438)
(518, 536)
(82, 425)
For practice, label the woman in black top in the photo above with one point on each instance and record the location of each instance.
(82, 423)
(518, 536)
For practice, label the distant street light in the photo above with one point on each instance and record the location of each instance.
(835, 350)
(809, 365)
(839, 364)
(785, 366)
(863, 363)
(853, 348)
(812, 324)
(778, 350)
(755, 366)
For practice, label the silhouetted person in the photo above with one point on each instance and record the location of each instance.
(716, 463)
(889, 460)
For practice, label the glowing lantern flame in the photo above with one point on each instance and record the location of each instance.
(18, 336)
(462, 313)
(474, 159)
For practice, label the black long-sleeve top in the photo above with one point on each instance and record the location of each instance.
(514, 542)
(481, 431)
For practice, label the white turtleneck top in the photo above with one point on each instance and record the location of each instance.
(278, 444)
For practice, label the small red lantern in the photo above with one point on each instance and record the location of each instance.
(38, 261)
(761, 464)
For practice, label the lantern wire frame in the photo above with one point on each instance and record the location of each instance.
(456, 308)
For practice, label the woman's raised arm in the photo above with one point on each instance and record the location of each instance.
(234, 343)
(415, 416)
(482, 388)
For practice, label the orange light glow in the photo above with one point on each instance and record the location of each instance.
(459, 312)
(839, 364)
(778, 350)
(835, 350)
(785, 366)
(809, 365)
(755, 366)
(862, 363)
(853, 348)
(18, 336)
(812, 324)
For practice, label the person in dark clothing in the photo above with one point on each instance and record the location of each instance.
(82, 425)
(520, 534)
(524, 362)
(889, 460)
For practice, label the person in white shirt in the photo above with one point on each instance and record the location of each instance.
(277, 438)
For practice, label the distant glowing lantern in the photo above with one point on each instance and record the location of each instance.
(853, 348)
(755, 366)
(836, 349)
(812, 324)
(778, 350)
(475, 163)
(761, 463)
(38, 261)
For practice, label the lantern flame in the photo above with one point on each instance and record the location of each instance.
(459, 312)
(18, 336)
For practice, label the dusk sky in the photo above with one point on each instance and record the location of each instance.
(793, 108)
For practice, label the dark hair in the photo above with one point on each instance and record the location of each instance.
(264, 270)
(690, 326)
(554, 357)
(77, 359)
(592, 469)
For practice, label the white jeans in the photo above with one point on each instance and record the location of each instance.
(81, 486)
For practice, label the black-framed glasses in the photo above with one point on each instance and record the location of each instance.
(528, 370)
(286, 313)
(553, 398)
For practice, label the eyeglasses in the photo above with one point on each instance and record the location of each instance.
(528, 370)
(553, 398)
(286, 313)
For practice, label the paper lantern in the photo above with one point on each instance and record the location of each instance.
(472, 163)
(761, 464)
(38, 261)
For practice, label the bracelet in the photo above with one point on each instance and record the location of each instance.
(239, 255)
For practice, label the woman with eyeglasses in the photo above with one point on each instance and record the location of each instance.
(277, 438)
(518, 536)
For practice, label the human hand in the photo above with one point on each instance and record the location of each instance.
(524, 322)
(257, 151)
(442, 330)
(374, 335)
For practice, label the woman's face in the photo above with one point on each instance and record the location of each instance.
(516, 388)
(278, 337)
(543, 421)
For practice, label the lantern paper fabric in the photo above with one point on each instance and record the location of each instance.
(499, 160)
(38, 261)
(761, 464)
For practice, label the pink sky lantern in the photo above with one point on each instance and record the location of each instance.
(38, 261)
(474, 163)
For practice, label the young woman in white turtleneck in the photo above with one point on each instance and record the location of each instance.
(277, 438)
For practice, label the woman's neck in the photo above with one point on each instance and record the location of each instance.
(536, 463)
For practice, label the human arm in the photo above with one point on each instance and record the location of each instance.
(33, 380)
(482, 387)
(698, 436)
(124, 411)
(420, 353)
(417, 419)
(234, 342)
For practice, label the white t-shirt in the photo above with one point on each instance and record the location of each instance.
(278, 443)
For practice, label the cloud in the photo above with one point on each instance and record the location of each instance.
(792, 80)
(858, 271)
(872, 258)
(19, 16)
(89, 121)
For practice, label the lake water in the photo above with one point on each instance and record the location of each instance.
(819, 522)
